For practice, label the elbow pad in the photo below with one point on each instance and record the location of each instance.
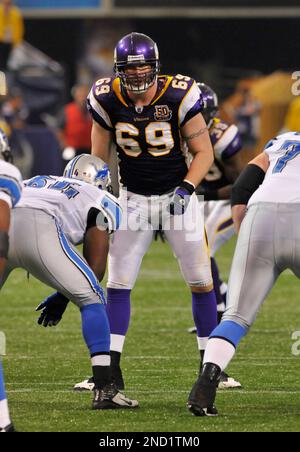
(246, 184)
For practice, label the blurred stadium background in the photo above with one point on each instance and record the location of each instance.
(247, 51)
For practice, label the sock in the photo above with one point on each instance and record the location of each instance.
(4, 412)
(117, 343)
(231, 331)
(118, 312)
(115, 358)
(101, 369)
(95, 328)
(219, 352)
(216, 279)
(204, 308)
(223, 290)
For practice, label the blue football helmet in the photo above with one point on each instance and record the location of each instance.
(210, 101)
(136, 49)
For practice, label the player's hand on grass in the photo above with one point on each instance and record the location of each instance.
(52, 308)
(181, 198)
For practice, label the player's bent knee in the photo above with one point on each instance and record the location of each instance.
(82, 301)
(237, 318)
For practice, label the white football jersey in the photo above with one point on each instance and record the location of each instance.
(282, 180)
(69, 201)
(10, 183)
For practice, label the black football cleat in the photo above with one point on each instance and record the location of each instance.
(8, 429)
(202, 412)
(109, 398)
(202, 397)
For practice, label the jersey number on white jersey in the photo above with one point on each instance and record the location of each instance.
(292, 151)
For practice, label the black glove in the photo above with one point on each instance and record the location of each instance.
(181, 198)
(53, 308)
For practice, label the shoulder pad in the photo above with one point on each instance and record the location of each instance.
(10, 182)
(187, 94)
(99, 101)
(226, 139)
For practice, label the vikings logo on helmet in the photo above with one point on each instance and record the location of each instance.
(136, 49)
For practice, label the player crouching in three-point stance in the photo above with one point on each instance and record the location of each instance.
(54, 215)
(10, 193)
(266, 212)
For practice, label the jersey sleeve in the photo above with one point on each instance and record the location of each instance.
(10, 184)
(229, 143)
(280, 139)
(113, 212)
(97, 109)
(191, 105)
(105, 213)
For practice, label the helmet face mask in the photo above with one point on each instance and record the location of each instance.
(90, 169)
(138, 82)
(139, 52)
(210, 100)
(5, 151)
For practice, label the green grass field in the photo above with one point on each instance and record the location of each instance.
(160, 360)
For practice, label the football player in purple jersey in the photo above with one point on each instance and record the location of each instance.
(152, 119)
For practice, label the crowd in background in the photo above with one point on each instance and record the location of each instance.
(260, 105)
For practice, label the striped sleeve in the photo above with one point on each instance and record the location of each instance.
(112, 211)
(97, 111)
(10, 184)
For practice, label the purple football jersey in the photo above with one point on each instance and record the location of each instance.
(148, 140)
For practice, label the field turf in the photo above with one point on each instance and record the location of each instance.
(160, 360)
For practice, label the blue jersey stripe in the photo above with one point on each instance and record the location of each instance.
(81, 265)
(2, 387)
(114, 209)
(11, 187)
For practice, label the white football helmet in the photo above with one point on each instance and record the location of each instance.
(5, 151)
(90, 169)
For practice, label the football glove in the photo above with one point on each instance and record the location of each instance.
(181, 198)
(53, 308)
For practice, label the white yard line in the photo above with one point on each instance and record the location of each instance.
(163, 392)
